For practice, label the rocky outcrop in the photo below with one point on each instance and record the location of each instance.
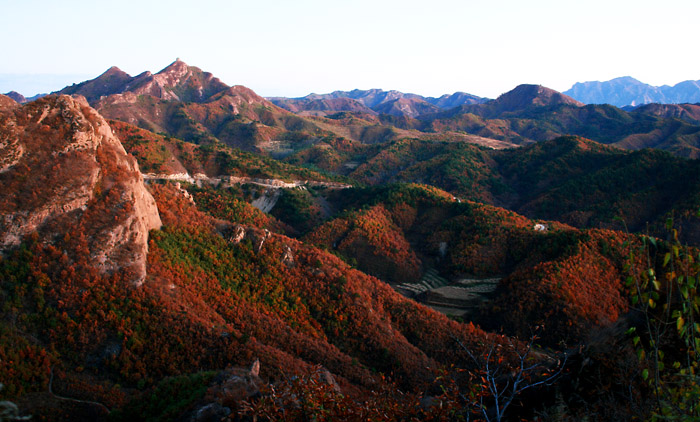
(267, 201)
(410, 107)
(69, 177)
(7, 102)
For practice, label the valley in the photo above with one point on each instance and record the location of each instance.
(174, 248)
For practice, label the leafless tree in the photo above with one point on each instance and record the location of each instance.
(510, 368)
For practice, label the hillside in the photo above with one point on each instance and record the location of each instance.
(181, 305)
(406, 107)
(61, 173)
(569, 179)
(524, 97)
(534, 114)
(321, 106)
(7, 102)
(92, 325)
(687, 112)
(236, 116)
(396, 231)
(16, 96)
(204, 255)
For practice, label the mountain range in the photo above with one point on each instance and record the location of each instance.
(627, 91)
(376, 100)
(239, 117)
(21, 98)
(173, 248)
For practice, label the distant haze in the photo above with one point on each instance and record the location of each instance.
(282, 48)
(30, 85)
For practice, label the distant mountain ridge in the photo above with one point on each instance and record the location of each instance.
(178, 81)
(532, 113)
(627, 91)
(379, 101)
(522, 97)
(189, 103)
(186, 102)
(21, 99)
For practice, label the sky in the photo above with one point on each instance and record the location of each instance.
(296, 47)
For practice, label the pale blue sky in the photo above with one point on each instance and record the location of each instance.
(294, 47)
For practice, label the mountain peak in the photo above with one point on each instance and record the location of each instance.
(527, 95)
(178, 81)
(176, 66)
(15, 96)
(114, 70)
(113, 80)
(626, 79)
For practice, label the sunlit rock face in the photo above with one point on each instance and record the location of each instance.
(65, 175)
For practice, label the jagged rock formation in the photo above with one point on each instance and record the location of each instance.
(190, 104)
(66, 176)
(178, 81)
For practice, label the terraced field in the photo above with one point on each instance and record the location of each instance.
(454, 299)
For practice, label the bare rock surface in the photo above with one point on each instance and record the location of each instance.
(65, 175)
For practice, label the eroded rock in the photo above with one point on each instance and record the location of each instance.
(68, 176)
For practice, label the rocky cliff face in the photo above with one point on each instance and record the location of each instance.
(66, 176)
